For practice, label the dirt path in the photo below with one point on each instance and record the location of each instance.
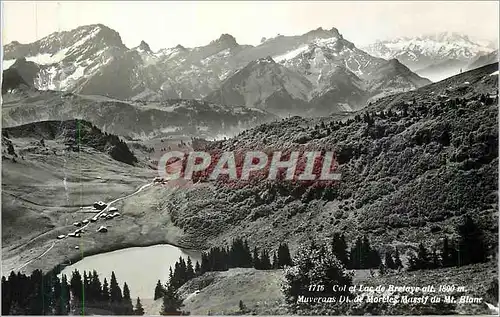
(108, 205)
(38, 257)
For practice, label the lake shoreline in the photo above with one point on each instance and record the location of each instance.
(141, 267)
(75, 259)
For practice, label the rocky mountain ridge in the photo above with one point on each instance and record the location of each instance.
(93, 60)
(23, 104)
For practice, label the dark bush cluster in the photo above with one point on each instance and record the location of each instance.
(470, 248)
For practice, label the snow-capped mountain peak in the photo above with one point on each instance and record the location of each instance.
(89, 38)
(435, 56)
(282, 70)
(69, 57)
(440, 45)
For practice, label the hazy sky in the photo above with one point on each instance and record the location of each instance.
(166, 24)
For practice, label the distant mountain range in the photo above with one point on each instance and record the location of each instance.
(435, 56)
(22, 104)
(319, 71)
(483, 60)
(316, 73)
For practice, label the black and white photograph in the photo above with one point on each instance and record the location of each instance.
(249, 158)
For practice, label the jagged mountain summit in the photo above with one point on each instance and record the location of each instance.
(266, 84)
(435, 56)
(93, 60)
(87, 60)
(334, 76)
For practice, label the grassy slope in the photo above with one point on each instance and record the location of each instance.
(396, 188)
(220, 293)
(42, 192)
(260, 291)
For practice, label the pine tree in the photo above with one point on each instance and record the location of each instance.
(182, 271)
(170, 274)
(371, 257)
(128, 308)
(115, 293)
(275, 261)
(397, 260)
(284, 258)
(256, 259)
(242, 307)
(138, 308)
(204, 263)
(76, 285)
(59, 303)
(159, 290)
(171, 302)
(36, 298)
(65, 295)
(472, 248)
(95, 289)
(389, 262)
(49, 281)
(247, 262)
(381, 269)
(105, 291)
(115, 296)
(446, 253)
(339, 248)
(189, 269)
(355, 254)
(19, 286)
(423, 261)
(265, 264)
(197, 269)
(366, 252)
(435, 260)
(453, 257)
(6, 296)
(413, 262)
(86, 284)
(363, 256)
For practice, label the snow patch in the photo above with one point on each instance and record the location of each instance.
(75, 76)
(86, 38)
(493, 309)
(170, 129)
(7, 63)
(291, 54)
(171, 108)
(345, 107)
(47, 59)
(494, 73)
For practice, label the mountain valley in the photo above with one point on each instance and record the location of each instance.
(412, 123)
